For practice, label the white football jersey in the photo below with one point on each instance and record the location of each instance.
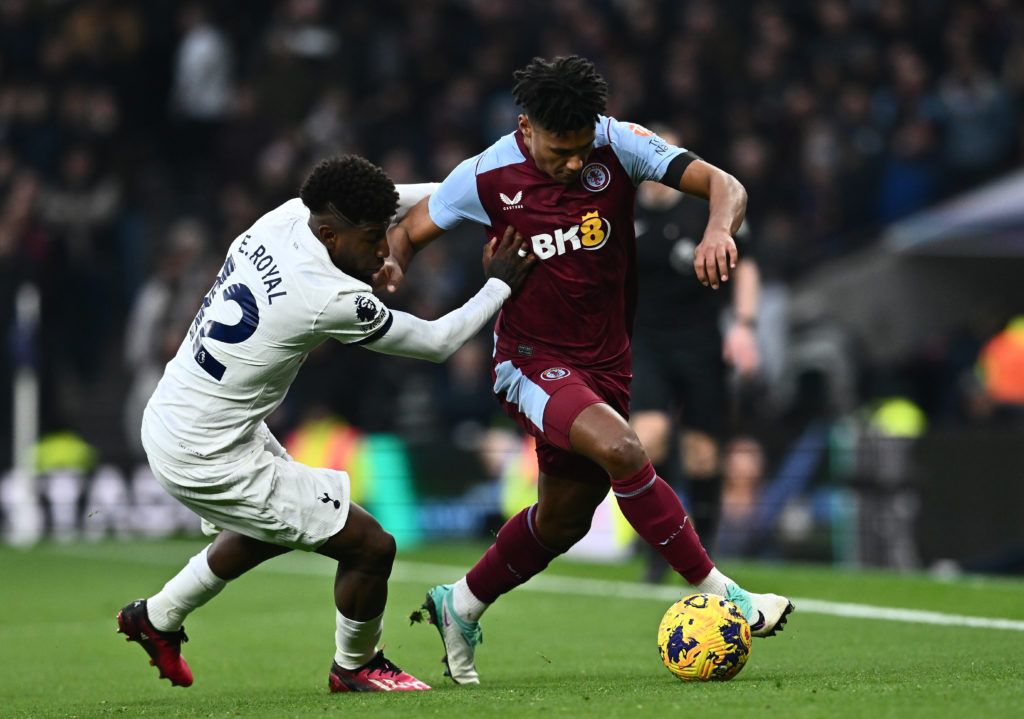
(277, 297)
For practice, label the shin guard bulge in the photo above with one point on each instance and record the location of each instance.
(517, 554)
(655, 512)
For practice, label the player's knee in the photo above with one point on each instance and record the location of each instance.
(622, 454)
(377, 553)
(383, 548)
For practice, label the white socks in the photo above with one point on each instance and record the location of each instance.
(356, 641)
(714, 583)
(192, 587)
(196, 584)
(465, 603)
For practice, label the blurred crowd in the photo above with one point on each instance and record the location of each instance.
(137, 139)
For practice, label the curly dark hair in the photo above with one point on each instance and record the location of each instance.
(561, 95)
(358, 188)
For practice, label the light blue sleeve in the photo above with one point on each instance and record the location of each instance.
(457, 198)
(644, 155)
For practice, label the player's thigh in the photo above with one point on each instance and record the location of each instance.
(544, 396)
(232, 554)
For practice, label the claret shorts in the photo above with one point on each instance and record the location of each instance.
(544, 396)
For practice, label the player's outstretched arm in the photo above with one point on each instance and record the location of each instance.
(716, 254)
(506, 262)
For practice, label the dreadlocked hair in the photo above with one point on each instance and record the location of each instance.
(561, 95)
(359, 189)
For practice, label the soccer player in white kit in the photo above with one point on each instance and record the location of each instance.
(300, 275)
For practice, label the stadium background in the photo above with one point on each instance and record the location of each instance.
(879, 142)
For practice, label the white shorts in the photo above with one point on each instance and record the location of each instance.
(261, 492)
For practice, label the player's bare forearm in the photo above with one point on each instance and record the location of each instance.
(727, 204)
(414, 232)
(401, 246)
(727, 199)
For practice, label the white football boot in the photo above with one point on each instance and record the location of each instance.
(766, 613)
(459, 636)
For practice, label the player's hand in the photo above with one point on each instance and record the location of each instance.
(509, 259)
(388, 277)
(714, 257)
(400, 254)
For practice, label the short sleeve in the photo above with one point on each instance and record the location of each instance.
(643, 153)
(457, 198)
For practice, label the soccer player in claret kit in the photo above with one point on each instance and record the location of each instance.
(567, 179)
(298, 277)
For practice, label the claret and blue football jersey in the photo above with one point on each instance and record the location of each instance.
(579, 299)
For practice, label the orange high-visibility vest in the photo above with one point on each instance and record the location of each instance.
(1001, 364)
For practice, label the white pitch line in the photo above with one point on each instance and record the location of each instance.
(429, 574)
(918, 616)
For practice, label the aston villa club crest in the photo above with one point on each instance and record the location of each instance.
(596, 177)
(554, 373)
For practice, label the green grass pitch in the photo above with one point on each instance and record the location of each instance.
(578, 641)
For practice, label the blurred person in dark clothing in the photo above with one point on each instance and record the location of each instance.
(743, 469)
(681, 358)
(80, 210)
(978, 120)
